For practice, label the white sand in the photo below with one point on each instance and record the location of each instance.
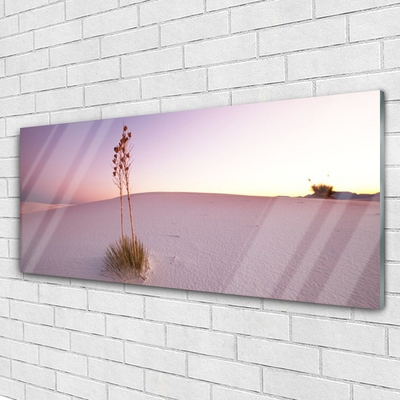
(305, 249)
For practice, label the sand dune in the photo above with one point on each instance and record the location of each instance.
(28, 207)
(305, 249)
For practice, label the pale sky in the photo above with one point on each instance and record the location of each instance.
(264, 149)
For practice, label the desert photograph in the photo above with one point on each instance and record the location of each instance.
(274, 200)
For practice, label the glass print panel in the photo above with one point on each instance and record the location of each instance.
(278, 200)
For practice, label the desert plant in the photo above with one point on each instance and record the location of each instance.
(122, 260)
(322, 190)
(127, 257)
(118, 179)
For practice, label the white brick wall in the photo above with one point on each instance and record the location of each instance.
(71, 60)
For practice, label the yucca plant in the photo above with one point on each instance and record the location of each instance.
(126, 258)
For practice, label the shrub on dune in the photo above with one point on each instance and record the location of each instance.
(322, 190)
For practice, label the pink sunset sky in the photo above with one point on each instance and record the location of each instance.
(264, 149)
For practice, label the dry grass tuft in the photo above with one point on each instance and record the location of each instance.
(128, 259)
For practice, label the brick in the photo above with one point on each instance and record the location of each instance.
(174, 83)
(33, 374)
(63, 361)
(302, 387)
(9, 45)
(370, 393)
(156, 291)
(43, 80)
(152, 61)
(136, 330)
(392, 157)
(222, 393)
(97, 346)
(3, 194)
(12, 388)
(29, 312)
(112, 92)
(14, 7)
(76, 52)
(117, 373)
(388, 315)
(15, 123)
(83, 114)
(284, 39)
(394, 342)
(196, 28)
(178, 312)
(62, 296)
(176, 387)
(9, 166)
(72, 319)
(96, 71)
(118, 393)
(19, 351)
(35, 393)
(370, 25)
(14, 248)
(110, 22)
(339, 334)
(44, 16)
(9, 269)
(361, 368)
(392, 118)
(392, 273)
(46, 336)
(201, 341)
(4, 308)
(32, 61)
(307, 308)
(130, 42)
(272, 93)
(388, 82)
(279, 355)
(249, 322)
(131, 109)
(392, 53)
(81, 387)
(58, 34)
(9, 147)
(266, 14)
(224, 372)
(5, 367)
(8, 26)
(3, 248)
(2, 126)
(225, 299)
(98, 285)
(76, 8)
(165, 10)
(194, 102)
(19, 290)
(246, 73)
(115, 303)
(334, 61)
(221, 50)
(2, 68)
(155, 358)
(59, 99)
(327, 7)
(392, 189)
(11, 329)
(8, 208)
(218, 4)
